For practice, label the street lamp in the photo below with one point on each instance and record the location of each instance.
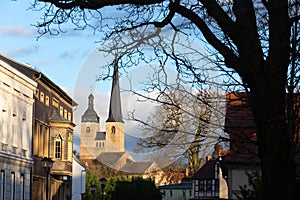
(47, 164)
(102, 183)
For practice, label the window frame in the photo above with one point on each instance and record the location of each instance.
(58, 148)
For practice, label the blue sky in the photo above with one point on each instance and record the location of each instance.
(59, 57)
(69, 60)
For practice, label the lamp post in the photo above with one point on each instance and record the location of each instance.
(47, 164)
(102, 183)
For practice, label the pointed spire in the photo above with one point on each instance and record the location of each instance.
(90, 114)
(115, 110)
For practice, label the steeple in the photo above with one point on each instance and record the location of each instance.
(115, 111)
(90, 114)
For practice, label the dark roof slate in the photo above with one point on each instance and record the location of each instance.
(183, 185)
(90, 114)
(100, 136)
(115, 110)
(136, 167)
(207, 171)
(110, 158)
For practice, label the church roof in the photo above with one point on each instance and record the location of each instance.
(138, 167)
(115, 110)
(90, 114)
(110, 158)
(100, 136)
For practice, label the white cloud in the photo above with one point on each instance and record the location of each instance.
(17, 31)
(21, 51)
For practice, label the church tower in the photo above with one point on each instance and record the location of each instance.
(89, 128)
(114, 122)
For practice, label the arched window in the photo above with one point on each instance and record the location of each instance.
(113, 129)
(88, 129)
(58, 148)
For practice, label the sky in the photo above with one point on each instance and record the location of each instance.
(71, 60)
(61, 58)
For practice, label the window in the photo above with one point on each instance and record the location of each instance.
(42, 97)
(47, 100)
(113, 129)
(58, 148)
(201, 185)
(171, 194)
(183, 193)
(61, 111)
(65, 114)
(2, 185)
(88, 129)
(208, 185)
(217, 186)
(22, 187)
(55, 102)
(13, 186)
(36, 94)
(69, 116)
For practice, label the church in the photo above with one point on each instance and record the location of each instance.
(108, 146)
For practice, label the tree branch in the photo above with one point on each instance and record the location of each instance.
(96, 4)
(231, 59)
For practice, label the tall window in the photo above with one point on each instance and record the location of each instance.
(88, 129)
(208, 185)
(113, 129)
(13, 186)
(22, 187)
(58, 148)
(201, 185)
(2, 185)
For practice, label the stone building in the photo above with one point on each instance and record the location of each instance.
(108, 146)
(52, 137)
(16, 103)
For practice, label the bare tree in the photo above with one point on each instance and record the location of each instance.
(184, 120)
(252, 39)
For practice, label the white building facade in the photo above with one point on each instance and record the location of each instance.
(16, 111)
(78, 179)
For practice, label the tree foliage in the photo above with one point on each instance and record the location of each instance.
(254, 189)
(92, 183)
(134, 189)
(255, 41)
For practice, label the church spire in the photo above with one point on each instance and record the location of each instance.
(90, 114)
(115, 111)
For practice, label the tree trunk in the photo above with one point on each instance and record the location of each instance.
(278, 170)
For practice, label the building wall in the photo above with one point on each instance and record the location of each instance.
(78, 180)
(176, 194)
(237, 177)
(50, 99)
(115, 134)
(87, 139)
(16, 103)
